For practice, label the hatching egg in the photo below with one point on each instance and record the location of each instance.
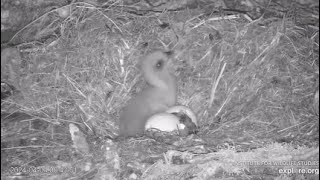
(164, 122)
(183, 110)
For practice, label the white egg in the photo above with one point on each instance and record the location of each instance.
(185, 110)
(164, 122)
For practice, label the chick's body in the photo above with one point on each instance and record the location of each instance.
(158, 96)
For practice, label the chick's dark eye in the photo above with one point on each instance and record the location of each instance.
(159, 64)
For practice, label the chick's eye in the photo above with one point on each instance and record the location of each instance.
(159, 64)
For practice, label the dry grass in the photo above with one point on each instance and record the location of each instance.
(249, 83)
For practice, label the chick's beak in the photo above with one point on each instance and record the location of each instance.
(169, 53)
(171, 65)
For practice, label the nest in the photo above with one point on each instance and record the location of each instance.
(250, 82)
